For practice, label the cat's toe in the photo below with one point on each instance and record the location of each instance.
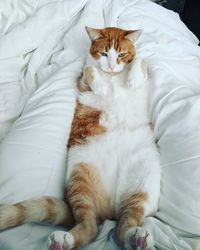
(138, 238)
(60, 240)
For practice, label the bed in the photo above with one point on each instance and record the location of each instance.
(43, 45)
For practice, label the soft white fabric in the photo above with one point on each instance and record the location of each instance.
(42, 47)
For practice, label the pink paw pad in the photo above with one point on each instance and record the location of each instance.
(137, 242)
(138, 238)
(55, 245)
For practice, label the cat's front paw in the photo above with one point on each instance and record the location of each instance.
(87, 81)
(90, 74)
(138, 238)
(138, 74)
(95, 82)
(88, 98)
(60, 240)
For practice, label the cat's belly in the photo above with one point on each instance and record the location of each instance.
(127, 162)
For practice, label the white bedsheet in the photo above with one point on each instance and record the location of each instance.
(42, 49)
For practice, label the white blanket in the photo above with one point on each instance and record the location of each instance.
(43, 45)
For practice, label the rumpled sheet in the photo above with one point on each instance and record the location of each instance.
(43, 46)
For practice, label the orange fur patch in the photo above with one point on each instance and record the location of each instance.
(85, 124)
(21, 214)
(56, 212)
(88, 201)
(86, 80)
(113, 37)
(50, 208)
(89, 75)
(131, 213)
(85, 190)
(83, 87)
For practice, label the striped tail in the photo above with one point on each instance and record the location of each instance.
(42, 210)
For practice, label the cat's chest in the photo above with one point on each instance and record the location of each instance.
(124, 108)
(118, 109)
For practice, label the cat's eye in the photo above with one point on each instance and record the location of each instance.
(121, 54)
(103, 53)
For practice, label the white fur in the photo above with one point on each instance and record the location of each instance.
(109, 64)
(126, 155)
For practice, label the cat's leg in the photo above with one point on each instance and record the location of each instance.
(84, 82)
(138, 73)
(130, 234)
(96, 89)
(89, 204)
(95, 81)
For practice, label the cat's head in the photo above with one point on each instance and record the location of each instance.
(113, 48)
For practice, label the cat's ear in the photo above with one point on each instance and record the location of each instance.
(93, 34)
(133, 35)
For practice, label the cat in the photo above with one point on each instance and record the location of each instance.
(113, 167)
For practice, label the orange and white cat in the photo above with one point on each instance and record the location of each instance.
(113, 164)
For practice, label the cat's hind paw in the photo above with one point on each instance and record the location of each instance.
(138, 238)
(60, 240)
